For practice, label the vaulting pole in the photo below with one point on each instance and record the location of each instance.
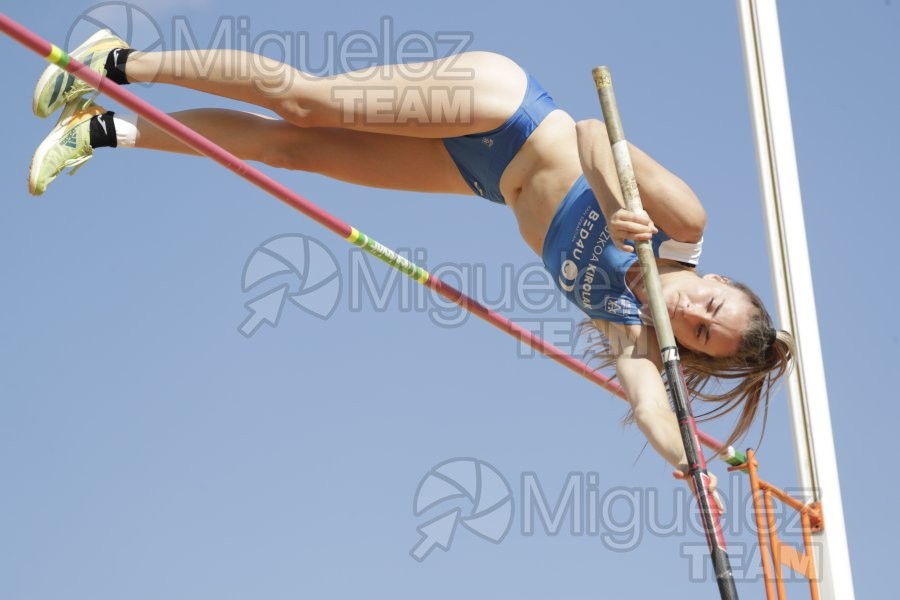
(668, 347)
(60, 58)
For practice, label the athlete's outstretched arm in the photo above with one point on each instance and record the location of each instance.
(638, 368)
(650, 406)
(671, 204)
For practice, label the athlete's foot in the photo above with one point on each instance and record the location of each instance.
(56, 87)
(69, 144)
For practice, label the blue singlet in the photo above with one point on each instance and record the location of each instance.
(586, 265)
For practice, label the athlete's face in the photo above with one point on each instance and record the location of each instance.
(708, 315)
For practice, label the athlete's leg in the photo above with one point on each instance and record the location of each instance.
(370, 159)
(457, 95)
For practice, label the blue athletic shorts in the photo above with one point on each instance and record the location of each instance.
(482, 157)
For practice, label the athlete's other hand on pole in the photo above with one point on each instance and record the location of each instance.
(627, 225)
(713, 485)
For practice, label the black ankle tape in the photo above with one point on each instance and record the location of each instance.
(115, 64)
(103, 131)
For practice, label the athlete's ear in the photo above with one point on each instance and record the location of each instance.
(717, 277)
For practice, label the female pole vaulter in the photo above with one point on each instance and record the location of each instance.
(478, 124)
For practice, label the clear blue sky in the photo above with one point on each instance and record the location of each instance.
(149, 450)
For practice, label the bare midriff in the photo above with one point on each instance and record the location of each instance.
(540, 175)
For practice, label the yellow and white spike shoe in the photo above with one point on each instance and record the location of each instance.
(67, 145)
(56, 87)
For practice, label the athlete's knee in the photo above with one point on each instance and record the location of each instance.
(302, 111)
(293, 150)
(278, 157)
(293, 111)
(283, 91)
(304, 103)
(279, 146)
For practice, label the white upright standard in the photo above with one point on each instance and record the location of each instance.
(792, 282)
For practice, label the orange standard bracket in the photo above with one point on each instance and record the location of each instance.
(773, 552)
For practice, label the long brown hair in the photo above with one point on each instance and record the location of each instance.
(748, 377)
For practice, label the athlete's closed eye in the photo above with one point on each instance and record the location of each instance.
(703, 332)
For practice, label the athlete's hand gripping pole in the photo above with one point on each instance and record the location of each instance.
(668, 348)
